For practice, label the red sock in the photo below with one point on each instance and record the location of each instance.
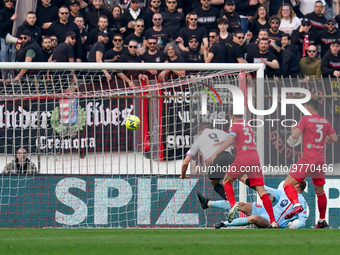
(230, 194)
(267, 203)
(291, 193)
(322, 204)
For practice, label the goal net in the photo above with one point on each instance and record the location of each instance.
(84, 168)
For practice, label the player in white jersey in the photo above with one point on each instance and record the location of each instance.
(205, 144)
(256, 214)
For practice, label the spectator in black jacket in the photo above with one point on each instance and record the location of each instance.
(83, 35)
(317, 19)
(154, 8)
(7, 16)
(46, 14)
(207, 16)
(326, 36)
(46, 48)
(96, 10)
(229, 12)
(74, 10)
(130, 16)
(290, 57)
(303, 36)
(29, 51)
(330, 64)
(172, 19)
(29, 24)
(62, 26)
(193, 55)
(92, 36)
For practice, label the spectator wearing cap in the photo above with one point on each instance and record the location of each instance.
(330, 64)
(311, 65)
(62, 26)
(74, 10)
(207, 15)
(215, 53)
(64, 53)
(94, 12)
(225, 36)
(172, 19)
(247, 9)
(98, 50)
(29, 51)
(130, 16)
(92, 37)
(303, 36)
(7, 17)
(193, 55)
(317, 19)
(229, 13)
(262, 55)
(233, 51)
(290, 57)
(326, 36)
(192, 29)
(29, 25)
(158, 31)
(46, 14)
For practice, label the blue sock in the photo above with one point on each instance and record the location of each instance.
(238, 222)
(222, 204)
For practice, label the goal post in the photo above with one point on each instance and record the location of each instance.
(78, 137)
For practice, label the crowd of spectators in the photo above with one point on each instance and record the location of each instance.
(296, 38)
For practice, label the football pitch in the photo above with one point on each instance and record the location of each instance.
(169, 241)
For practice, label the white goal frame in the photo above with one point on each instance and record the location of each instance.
(259, 68)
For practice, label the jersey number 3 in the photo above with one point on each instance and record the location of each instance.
(319, 130)
(246, 132)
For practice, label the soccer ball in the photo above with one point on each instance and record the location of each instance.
(132, 122)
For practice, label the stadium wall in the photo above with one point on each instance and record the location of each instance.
(88, 201)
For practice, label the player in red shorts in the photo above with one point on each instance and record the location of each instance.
(314, 130)
(247, 162)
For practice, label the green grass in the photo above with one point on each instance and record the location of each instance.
(169, 241)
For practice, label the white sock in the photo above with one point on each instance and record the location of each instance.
(210, 203)
(297, 204)
(321, 220)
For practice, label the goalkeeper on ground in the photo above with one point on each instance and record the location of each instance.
(258, 215)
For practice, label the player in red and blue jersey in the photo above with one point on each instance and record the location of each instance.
(315, 130)
(247, 161)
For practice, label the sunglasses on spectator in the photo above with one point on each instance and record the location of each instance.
(54, 40)
(192, 19)
(206, 0)
(311, 51)
(23, 37)
(152, 43)
(140, 25)
(330, 24)
(275, 22)
(305, 24)
(63, 13)
(171, 2)
(157, 19)
(117, 40)
(285, 9)
(240, 37)
(132, 47)
(73, 37)
(212, 36)
(193, 41)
